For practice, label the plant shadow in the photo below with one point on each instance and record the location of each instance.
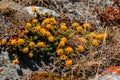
(33, 64)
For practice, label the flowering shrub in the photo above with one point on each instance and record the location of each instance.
(45, 36)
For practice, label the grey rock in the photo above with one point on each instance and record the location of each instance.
(41, 10)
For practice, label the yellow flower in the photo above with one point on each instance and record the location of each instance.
(28, 25)
(80, 48)
(43, 31)
(86, 25)
(64, 39)
(83, 40)
(33, 9)
(63, 57)
(60, 51)
(46, 21)
(52, 21)
(40, 44)
(30, 54)
(13, 42)
(101, 36)
(48, 26)
(62, 24)
(25, 50)
(79, 29)
(69, 49)
(104, 35)
(62, 43)
(37, 28)
(34, 20)
(4, 41)
(16, 61)
(50, 38)
(92, 35)
(68, 63)
(63, 27)
(21, 41)
(21, 34)
(75, 25)
(98, 36)
(26, 31)
(48, 33)
(95, 42)
(32, 44)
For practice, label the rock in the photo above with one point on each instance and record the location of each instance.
(5, 54)
(112, 73)
(41, 10)
(7, 69)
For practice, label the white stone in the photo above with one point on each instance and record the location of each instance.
(41, 10)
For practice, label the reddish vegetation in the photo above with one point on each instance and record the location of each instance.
(1, 70)
(111, 70)
(110, 15)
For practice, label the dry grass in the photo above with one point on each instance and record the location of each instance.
(12, 16)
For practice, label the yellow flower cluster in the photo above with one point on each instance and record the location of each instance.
(68, 63)
(83, 40)
(43, 31)
(79, 29)
(31, 44)
(34, 20)
(25, 50)
(63, 52)
(13, 42)
(33, 9)
(101, 36)
(92, 35)
(80, 48)
(95, 42)
(26, 31)
(31, 55)
(46, 33)
(51, 39)
(37, 28)
(60, 51)
(4, 41)
(86, 25)
(97, 38)
(51, 21)
(63, 40)
(21, 41)
(62, 43)
(43, 34)
(69, 49)
(63, 27)
(75, 25)
(48, 26)
(28, 25)
(63, 57)
(40, 44)
(62, 24)
(16, 61)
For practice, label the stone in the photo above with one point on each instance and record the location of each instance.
(40, 10)
(112, 73)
